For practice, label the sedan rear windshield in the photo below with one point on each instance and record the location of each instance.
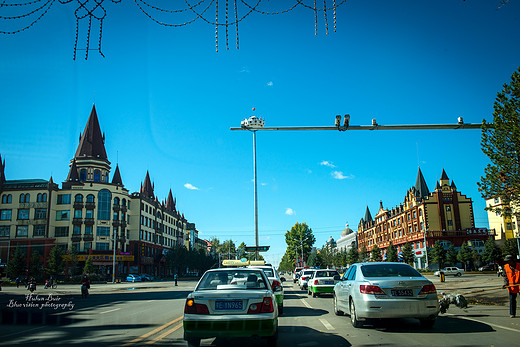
(326, 274)
(232, 279)
(389, 270)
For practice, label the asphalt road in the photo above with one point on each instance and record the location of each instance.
(151, 313)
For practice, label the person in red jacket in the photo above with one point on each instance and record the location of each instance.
(512, 282)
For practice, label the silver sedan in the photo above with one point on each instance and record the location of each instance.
(385, 290)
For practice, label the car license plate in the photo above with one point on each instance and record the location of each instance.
(228, 305)
(329, 282)
(401, 292)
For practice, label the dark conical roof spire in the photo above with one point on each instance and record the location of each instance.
(170, 203)
(444, 176)
(146, 187)
(92, 143)
(421, 189)
(117, 177)
(368, 216)
(453, 186)
(2, 170)
(73, 172)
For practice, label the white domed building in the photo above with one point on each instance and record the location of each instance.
(347, 240)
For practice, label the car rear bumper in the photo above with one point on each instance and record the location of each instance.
(322, 289)
(206, 328)
(404, 308)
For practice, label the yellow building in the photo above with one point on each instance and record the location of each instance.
(506, 226)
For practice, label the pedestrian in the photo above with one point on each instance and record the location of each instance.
(17, 282)
(512, 282)
(175, 278)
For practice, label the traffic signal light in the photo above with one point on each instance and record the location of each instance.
(254, 248)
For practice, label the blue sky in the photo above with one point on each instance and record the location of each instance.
(166, 101)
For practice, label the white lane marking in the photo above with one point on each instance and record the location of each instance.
(115, 309)
(479, 321)
(326, 324)
(306, 303)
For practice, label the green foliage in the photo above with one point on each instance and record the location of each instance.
(438, 254)
(315, 260)
(89, 266)
(391, 253)
(35, 268)
(451, 255)
(326, 256)
(16, 264)
(286, 264)
(375, 254)
(179, 258)
(492, 252)
(363, 255)
(352, 255)
(55, 264)
(510, 247)
(465, 254)
(299, 240)
(72, 262)
(340, 258)
(501, 143)
(408, 255)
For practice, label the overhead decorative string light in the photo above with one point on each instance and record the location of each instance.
(19, 16)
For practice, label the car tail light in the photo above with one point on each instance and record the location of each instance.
(193, 308)
(316, 282)
(304, 277)
(266, 306)
(428, 289)
(275, 284)
(366, 289)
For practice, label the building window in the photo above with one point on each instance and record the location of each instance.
(78, 198)
(7, 199)
(87, 246)
(23, 214)
(40, 213)
(90, 198)
(75, 246)
(89, 214)
(61, 231)
(97, 176)
(5, 214)
(115, 216)
(78, 213)
(63, 215)
(5, 231)
(88, 229)
(104, 204)
(102, 246)
(76, 230)
(103, 231)
(39, 230)
(22, 231)
(497, 200)
(83, 174)
(41, 197)
(414, 214)
(63, 199)
(25, 198)
(116, 201)
(450, 222)
(509, 226)
(448, 208)
(514, 226)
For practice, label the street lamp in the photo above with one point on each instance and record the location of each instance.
(252, 124)
(301, 244)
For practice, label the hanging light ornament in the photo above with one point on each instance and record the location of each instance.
(90, 13)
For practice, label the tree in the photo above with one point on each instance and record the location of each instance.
(34, 265)
(363, 255)
(326, 256)
(451, 255)
(89, 266)
(375, 254)
(510, 247)
(501, 143)
(492, 252)
(315, 260)
(55, 264)
(228, 249)
(16, 266)
(391, 253)
(408, 255)
(299, 240)
(352, 256)
(286, 264)
(72, 261)
(438, 254)
(465, 255)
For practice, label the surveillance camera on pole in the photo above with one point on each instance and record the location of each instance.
(337, 123)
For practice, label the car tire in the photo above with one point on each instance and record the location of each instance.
(458, 274)
(193, 342)
(280, 310)
(308, 291)
(314, 294)
(273, 340)
(353, 316)
(427, 323)
(337, 311)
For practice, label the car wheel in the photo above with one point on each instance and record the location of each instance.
(193, 342)
(337, 311)
(308, 291)
(458, 274)
(273, 340)
(427, 322)
(353, 316)
(280, 310)
(314, 294)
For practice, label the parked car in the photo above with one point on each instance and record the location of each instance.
(146, 277)
(134, 278)
(296, 274)
(488, 267)
(222, 307)
(322, 281)
(454, 271)
(385, 290)
(304, 278)
(276, 284)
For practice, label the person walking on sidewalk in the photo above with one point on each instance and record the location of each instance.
(512, 282)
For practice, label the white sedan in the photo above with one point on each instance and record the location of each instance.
(224, 305)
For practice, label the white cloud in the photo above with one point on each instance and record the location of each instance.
(244, 69)
(190, 186)
(270, 83)
(290, 212)
(327, 163)
(263, 184)
(339, 175)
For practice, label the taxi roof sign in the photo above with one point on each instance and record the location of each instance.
(242, 262)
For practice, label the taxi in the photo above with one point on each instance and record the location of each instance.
(275, 281)
(231, 302)
(322, 281)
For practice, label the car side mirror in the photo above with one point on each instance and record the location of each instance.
(336, 278)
